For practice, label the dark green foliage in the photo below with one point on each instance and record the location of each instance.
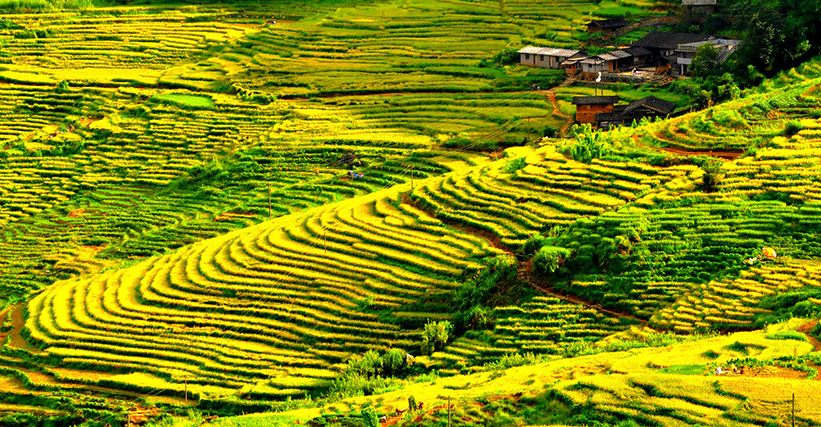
(589, 144)
(370, 418)
(792, 128)
(549, 259)
(515, 164)
(474, 298)
(713, 172)
(706, 61)
(785, 305)
(366, 373)
(716, 86)
(62, 87)
(505, 57)
(778, 34)
(435, 336)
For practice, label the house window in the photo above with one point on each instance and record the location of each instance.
(541, 57)
(527, 56)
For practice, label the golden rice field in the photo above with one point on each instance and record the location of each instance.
(178, 224)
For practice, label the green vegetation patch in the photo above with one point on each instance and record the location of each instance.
(185, 101)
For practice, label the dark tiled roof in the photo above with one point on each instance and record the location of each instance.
(595, 100)
(637, 51)
(656, 104)
(609, 23)
(609, 117)
(662, 40)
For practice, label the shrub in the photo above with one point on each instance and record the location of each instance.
(713, 169)
(589, 144)
(792, 128)
(370, 418)
(435, 336)
(549, 259)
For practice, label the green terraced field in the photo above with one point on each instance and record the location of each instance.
(179, 227)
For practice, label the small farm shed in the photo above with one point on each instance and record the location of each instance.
(606, 26)
(588, 106)
(700, 7)
(649, 107)
(548, 57)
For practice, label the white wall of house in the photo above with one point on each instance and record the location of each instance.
(594, 68)
(527, 58)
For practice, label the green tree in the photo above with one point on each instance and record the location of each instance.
(435, 336)
(713, 172)
(393, 362)
(706, 61)
(370, 418)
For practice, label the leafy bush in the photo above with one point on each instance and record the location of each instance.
(787, 335)
(792, 128)
(435, 336)
(474, 297)
(370, 418)
(505, 57)
(589, 144)
(713, 172)
(549, 259)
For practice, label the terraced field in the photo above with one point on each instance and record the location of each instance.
(129, 131)
(290, 299)
(180, 224)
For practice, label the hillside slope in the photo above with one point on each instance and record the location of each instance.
(668, 386)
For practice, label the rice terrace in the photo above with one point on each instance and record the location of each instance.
(364, 213)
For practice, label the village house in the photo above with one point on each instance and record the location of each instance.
(588, 106)
(685, 53)
(606, 26)
(614, 61)
(593, 65)
(662, 45)
(548, 57)
(649, 107)
(699, 7)
(640, 55)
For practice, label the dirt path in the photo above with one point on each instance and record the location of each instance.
(722, 154)
(551, 95)
(525, 267)
(806, 329)
(525, 274)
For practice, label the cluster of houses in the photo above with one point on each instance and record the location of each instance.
(603, 112)
(673, 50)
(664, 52)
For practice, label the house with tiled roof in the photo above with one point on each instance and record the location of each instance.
(648, 107)
(548, 57)
(700, 7)
(588, 106)
(663, 44)
(606, 26)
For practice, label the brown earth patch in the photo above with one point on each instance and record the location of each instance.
(806, 329)
(17, 340)
(774, 372)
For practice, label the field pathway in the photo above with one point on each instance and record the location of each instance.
(551, 95)
(526, 275)
(727, 154)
